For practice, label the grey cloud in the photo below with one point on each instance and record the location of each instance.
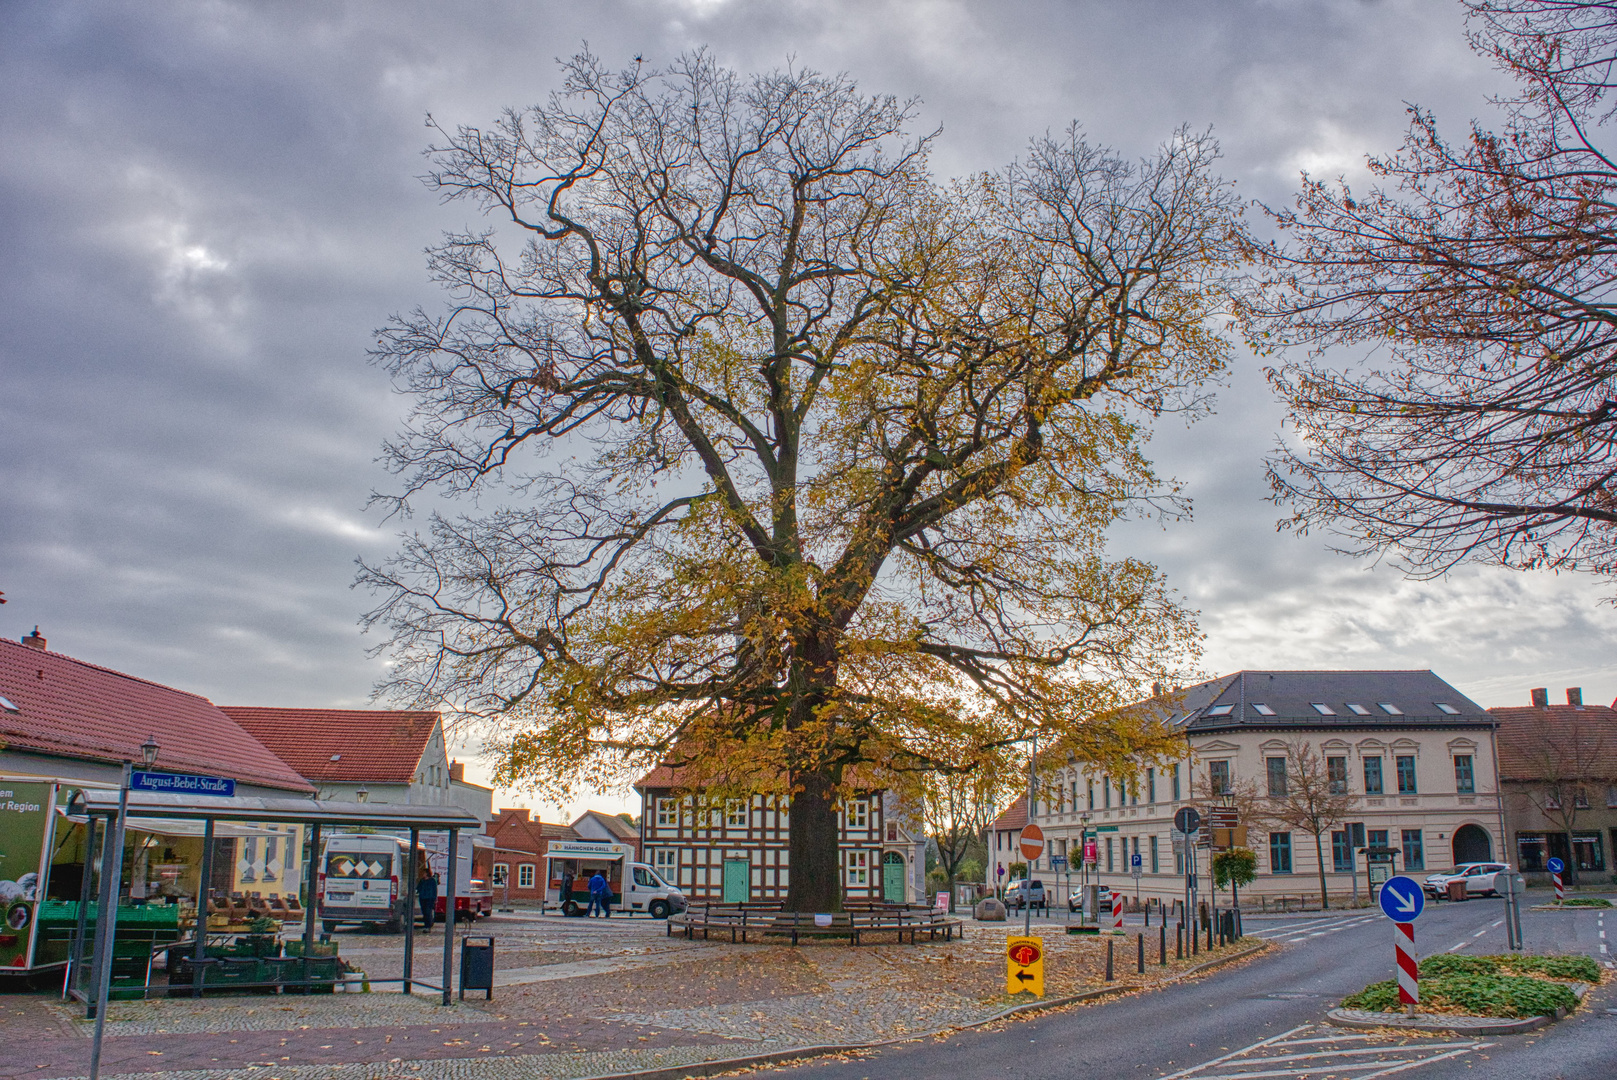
(208, 208)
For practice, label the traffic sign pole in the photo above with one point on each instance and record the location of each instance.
(1031, 842)
(1408, 966)
(1555, 866)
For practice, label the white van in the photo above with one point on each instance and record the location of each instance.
(635, 887)
(359, 881)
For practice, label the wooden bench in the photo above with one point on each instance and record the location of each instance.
(859, 921)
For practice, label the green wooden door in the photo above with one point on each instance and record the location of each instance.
(892, 878)
(737, 881)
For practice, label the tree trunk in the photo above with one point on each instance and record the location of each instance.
(1569, 876)
(1319, 855)
(815, 881)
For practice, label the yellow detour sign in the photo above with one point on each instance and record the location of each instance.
(1024, 966)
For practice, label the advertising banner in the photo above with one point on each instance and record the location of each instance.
(25, 815)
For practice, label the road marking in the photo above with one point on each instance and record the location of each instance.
(1340, 1054)
(1478, 934)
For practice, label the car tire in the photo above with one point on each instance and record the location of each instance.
(658, 909)
(327, 926)
(394, 926)
(570, 909)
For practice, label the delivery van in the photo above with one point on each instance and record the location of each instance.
(473, 867)
(360, 881)
(635, 887)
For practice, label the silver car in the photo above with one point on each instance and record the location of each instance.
(1479, 878)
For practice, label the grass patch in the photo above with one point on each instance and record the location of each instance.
(1586, 901)
(1472, 995)
(1580, 968)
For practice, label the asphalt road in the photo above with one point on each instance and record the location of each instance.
(1265, 1018)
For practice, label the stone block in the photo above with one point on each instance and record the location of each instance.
(990, 910)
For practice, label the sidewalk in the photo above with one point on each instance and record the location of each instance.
(619, 997)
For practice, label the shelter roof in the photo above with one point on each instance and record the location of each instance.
(73, 709)
(337, 746)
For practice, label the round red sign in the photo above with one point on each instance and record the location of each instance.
(1031, 841)
(1025, 954)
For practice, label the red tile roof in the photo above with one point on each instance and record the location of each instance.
(1013, 816)
(72, 709)
(514, 830)
(1535, 739)
(343, 746)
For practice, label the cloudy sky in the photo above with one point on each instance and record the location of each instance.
(207, 207)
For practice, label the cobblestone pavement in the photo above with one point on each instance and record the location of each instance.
(591, 997)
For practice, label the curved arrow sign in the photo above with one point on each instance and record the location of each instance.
(1401, 899)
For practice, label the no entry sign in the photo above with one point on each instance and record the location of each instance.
(1031, 841)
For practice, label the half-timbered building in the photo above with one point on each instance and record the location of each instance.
(733, 849)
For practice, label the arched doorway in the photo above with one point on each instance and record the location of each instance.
(892, 878)
(1472, 844)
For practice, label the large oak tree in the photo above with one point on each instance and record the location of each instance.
(802, 461)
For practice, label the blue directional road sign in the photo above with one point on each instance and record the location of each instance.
(181, 784)
(1555, 866)
(1402, 899)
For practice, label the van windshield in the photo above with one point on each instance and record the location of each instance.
(359, 864)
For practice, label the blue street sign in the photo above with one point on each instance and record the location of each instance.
(1134, 860)
(180, 784)
(1555, 866)
(1402, 899)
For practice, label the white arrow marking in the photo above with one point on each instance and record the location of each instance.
(1404, 901)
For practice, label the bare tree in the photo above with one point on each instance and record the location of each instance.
(1566, 764)
(809, 457)
(1304, 798)
(1477, 278)
(957, 805)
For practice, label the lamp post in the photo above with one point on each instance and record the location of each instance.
(363, 794)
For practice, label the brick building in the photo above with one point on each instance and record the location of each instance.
(520, 844)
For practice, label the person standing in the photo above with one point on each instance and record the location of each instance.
(567, 880)
(426, 892)
(597, 893)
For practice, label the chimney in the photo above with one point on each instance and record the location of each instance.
(36, 640)
(1574, 696)
(1156, 689)
(1541, 697)
(457, 771)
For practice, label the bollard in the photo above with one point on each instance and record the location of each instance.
(1109, 943)
(1195, 938)
(1162, 944)
(1179, 942)
(1139, 954)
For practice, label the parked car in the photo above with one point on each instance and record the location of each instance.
(1075, 901)
(1021, 893)
(1479, 879)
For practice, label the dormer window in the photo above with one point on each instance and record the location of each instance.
(1261, 709)
(1221, 710)
(1390, 709)
(1357, 709)
(1322, 708)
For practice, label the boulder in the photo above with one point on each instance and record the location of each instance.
(990, 910)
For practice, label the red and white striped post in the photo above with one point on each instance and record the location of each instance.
(1117, 913)
(1408, 966)
(1560, 889)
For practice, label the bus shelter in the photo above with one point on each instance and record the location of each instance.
(163, 813)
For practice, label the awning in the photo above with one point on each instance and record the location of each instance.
(245, 808)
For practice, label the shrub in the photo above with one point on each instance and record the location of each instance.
(1458, 964)
(1581, 968)
(1475, 995)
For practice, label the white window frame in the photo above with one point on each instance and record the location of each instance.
(858, 814)
(735, 813)
(501, 873)
(858, 868)
(666, 862)
(525, 875)
(667, 814)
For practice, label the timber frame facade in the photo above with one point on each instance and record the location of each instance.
(737, 849)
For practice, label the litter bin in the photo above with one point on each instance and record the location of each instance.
(1456, 890)
(477, 966)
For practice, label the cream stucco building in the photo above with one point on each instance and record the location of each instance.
(1415, 756)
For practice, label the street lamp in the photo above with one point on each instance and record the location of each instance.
(148, 751)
